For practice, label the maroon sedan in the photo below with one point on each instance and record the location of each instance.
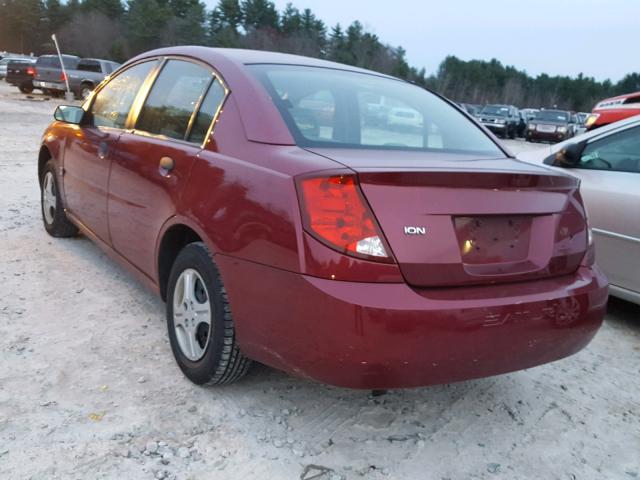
(253, 192)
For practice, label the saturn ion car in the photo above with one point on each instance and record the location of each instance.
(607, 162)
(283, 231)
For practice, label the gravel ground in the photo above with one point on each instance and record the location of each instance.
(89, 388)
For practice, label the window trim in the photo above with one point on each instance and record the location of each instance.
(145, 89)
(88, 105)
(136, 108)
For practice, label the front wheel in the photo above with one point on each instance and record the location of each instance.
(54, 218)
(199, 320)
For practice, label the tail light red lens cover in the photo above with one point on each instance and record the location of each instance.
(31, 71)
(335, 212)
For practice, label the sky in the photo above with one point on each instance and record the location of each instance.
(560, 37)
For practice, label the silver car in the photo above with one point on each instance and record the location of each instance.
(607, 161)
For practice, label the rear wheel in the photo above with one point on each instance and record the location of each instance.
(199, 320)
(54, 218)
(85, 91)
(26, 88)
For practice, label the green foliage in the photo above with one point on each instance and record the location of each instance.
(122, 28)
(478, 81)
(257, 14)
(111, 8)
(20, 25)
(146, 21)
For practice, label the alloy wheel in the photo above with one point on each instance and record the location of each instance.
(49, 200)
(192, 314)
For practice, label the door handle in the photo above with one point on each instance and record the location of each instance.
(167, 164)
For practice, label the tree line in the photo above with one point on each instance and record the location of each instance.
(118, 30)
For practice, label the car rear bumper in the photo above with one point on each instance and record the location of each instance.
(49, 85)
(374, 335)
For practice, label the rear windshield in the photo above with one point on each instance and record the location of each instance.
(342, 109)
(54, 62)
(496, 110)
(552, 116)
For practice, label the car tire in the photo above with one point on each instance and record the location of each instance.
(84, 92)
(26, 88)
(207, 353)
(512, 133)
(54, 217)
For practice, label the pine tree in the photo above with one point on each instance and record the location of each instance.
(257, 14)
(146, 21)
(111, 8)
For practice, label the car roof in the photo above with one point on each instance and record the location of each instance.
(254, 104)
(620, 97)
(254, 57)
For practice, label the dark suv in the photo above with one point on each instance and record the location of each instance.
(502, 120)
(551, 126)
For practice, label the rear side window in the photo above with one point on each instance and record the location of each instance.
(173, 99)
(89, 66)
(113, 102)
(208, 110)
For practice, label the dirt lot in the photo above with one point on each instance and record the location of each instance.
(89, 389)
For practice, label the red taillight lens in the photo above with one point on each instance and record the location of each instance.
(63, 77)
(335, 212)
(31, 71)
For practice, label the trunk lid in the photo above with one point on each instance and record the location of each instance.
(462, 220)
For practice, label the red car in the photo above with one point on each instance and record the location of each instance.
(614, 109)
(245, 188)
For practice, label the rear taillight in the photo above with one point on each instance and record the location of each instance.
(31, 71)
(335, 212)
(63, 77)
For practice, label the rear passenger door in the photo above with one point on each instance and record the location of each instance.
(153, 160)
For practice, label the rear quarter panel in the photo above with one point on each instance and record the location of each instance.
(242, 195)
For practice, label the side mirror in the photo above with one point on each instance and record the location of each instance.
(69, 114)
(569, 156)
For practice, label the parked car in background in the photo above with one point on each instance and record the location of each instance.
(529, 114)
(502, 120)
(403, 118)
(581, 120)
(471, 109)
(5, 61)
(49, 75)
(83, 74)
(89, 73)
(20, 73)
(551, 126)
(607, 162)
(361, 256)
(614, 109)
